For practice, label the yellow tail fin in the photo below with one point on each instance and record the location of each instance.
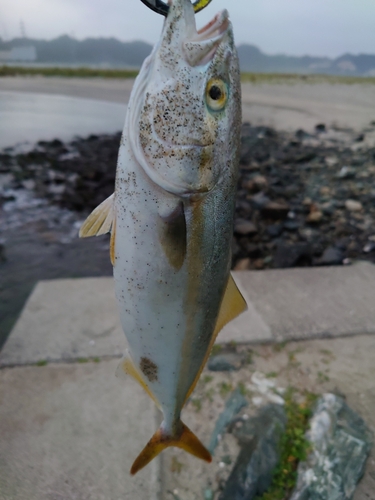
(185, 439)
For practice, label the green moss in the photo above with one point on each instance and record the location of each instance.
(217, 348)
(197, 403)
(42, 362)
(271, 374)
(207, 378)
(210, 394)
(83, 360)
(294, 446)
(242, 388)
(224, 389)
(279, 346)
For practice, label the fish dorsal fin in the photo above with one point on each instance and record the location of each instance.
(99, 221)
(232, 305)
(127, 367)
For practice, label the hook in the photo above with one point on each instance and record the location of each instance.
(162, 8)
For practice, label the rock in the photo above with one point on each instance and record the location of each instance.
(369, 247)
(292, 225)
(353, 205)
(260, 182)
(258, 264)
(289, 255)
(341, 443)
(331, 257)
(275, 210)
(244, 227)
(226, 362)
(2, 251)
(242, 265)
(260, 200)
(259, 439)
(346, 173)
(274, 230)
(233, 406)
(360, 138)
(320, 127)
(314, 216)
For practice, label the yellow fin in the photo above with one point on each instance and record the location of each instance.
(184, 439)
(128, 367)
(99, 221)
(232, 305)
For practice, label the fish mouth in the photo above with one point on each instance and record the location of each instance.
(216, 27)
(201, 48)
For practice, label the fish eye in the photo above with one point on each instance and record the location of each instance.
(216, 94)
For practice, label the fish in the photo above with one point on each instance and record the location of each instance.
(171, 216)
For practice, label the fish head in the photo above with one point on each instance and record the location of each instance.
(186, 114)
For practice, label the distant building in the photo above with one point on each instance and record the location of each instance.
(19, 54)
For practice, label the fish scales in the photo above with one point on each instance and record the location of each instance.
(171, 217)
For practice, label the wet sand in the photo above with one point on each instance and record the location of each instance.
(279, 105)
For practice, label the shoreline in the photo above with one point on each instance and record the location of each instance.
(284, 106)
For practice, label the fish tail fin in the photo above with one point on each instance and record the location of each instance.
(184, 439)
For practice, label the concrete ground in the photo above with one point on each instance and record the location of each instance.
(70, 430)
(280, 105)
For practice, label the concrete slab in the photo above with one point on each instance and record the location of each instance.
(78, 318)
(314, 302)
(72, 431)
(64, 320)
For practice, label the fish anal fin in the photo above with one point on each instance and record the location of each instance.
(99, 221)
(127, 367)
(184, 439)
(232, 305)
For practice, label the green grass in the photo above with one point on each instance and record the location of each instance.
(259, 78)
(42, 362)
(67, 72)
(294, 446)
(256, 78)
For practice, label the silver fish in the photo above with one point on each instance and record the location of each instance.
(171, 215)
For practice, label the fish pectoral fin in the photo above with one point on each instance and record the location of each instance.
(99, 221)
(127, 367)
(184, 439)
(232, 305)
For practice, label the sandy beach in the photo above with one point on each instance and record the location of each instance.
(284, 106)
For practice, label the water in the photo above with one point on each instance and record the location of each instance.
(30, 117)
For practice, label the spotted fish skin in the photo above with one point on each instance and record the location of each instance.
(172, 212)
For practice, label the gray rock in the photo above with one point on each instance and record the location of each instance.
(346, 173)
(259, 440)
(290, 255)
(226, 362)
(331, 257)
(275, 210)
(234, 404)
(341, 442)
(245, 227)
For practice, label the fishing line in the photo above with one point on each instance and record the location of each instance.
(162, 8)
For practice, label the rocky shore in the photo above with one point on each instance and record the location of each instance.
(303, 200)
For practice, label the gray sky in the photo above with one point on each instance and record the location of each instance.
(295, 27)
